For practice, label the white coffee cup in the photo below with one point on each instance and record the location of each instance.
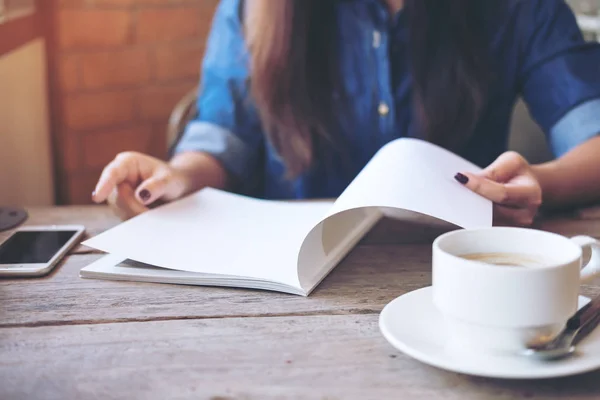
(500, 308)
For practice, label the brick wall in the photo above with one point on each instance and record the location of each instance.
(118, 68)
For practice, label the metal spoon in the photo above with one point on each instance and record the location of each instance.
(578, 326)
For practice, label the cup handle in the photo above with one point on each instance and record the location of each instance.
(591, 248)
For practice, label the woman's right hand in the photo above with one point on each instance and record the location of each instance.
(133, 181)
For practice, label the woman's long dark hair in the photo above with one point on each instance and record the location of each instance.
(449, 68)
(294, 72)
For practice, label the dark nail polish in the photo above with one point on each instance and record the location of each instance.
(144, 195)
(461, 178)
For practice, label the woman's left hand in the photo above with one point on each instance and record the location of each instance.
(511, 184)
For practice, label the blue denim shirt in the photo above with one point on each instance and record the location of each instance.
(536, 45)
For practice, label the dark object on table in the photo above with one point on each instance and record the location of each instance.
(11, 217)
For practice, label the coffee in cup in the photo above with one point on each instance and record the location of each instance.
(507, 259)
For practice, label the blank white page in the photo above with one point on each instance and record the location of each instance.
(218, 232)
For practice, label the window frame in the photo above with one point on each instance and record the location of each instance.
(20, 27)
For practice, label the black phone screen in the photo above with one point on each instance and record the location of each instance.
(33, 247)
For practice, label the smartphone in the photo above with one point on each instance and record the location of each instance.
(35, 250)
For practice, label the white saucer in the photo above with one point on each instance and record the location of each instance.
(413, 325)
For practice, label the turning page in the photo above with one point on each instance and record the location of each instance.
(406, 178)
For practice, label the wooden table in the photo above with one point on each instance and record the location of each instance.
(63, 337)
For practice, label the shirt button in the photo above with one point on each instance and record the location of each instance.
(383, 109)
(376, 39)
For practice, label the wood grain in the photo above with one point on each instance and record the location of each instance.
(364, 282)
(63, 337)
(317, 357)
(369, 278)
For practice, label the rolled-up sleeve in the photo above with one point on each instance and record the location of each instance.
(560, 74)
(227, 126)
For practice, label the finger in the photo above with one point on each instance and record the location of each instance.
(116, 172)
(504, 167)
(153, 188)
(514, 216)
(124, 203)
(524, 192)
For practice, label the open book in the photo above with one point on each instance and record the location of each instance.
(218, 238)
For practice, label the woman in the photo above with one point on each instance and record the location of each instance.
(297, 96)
